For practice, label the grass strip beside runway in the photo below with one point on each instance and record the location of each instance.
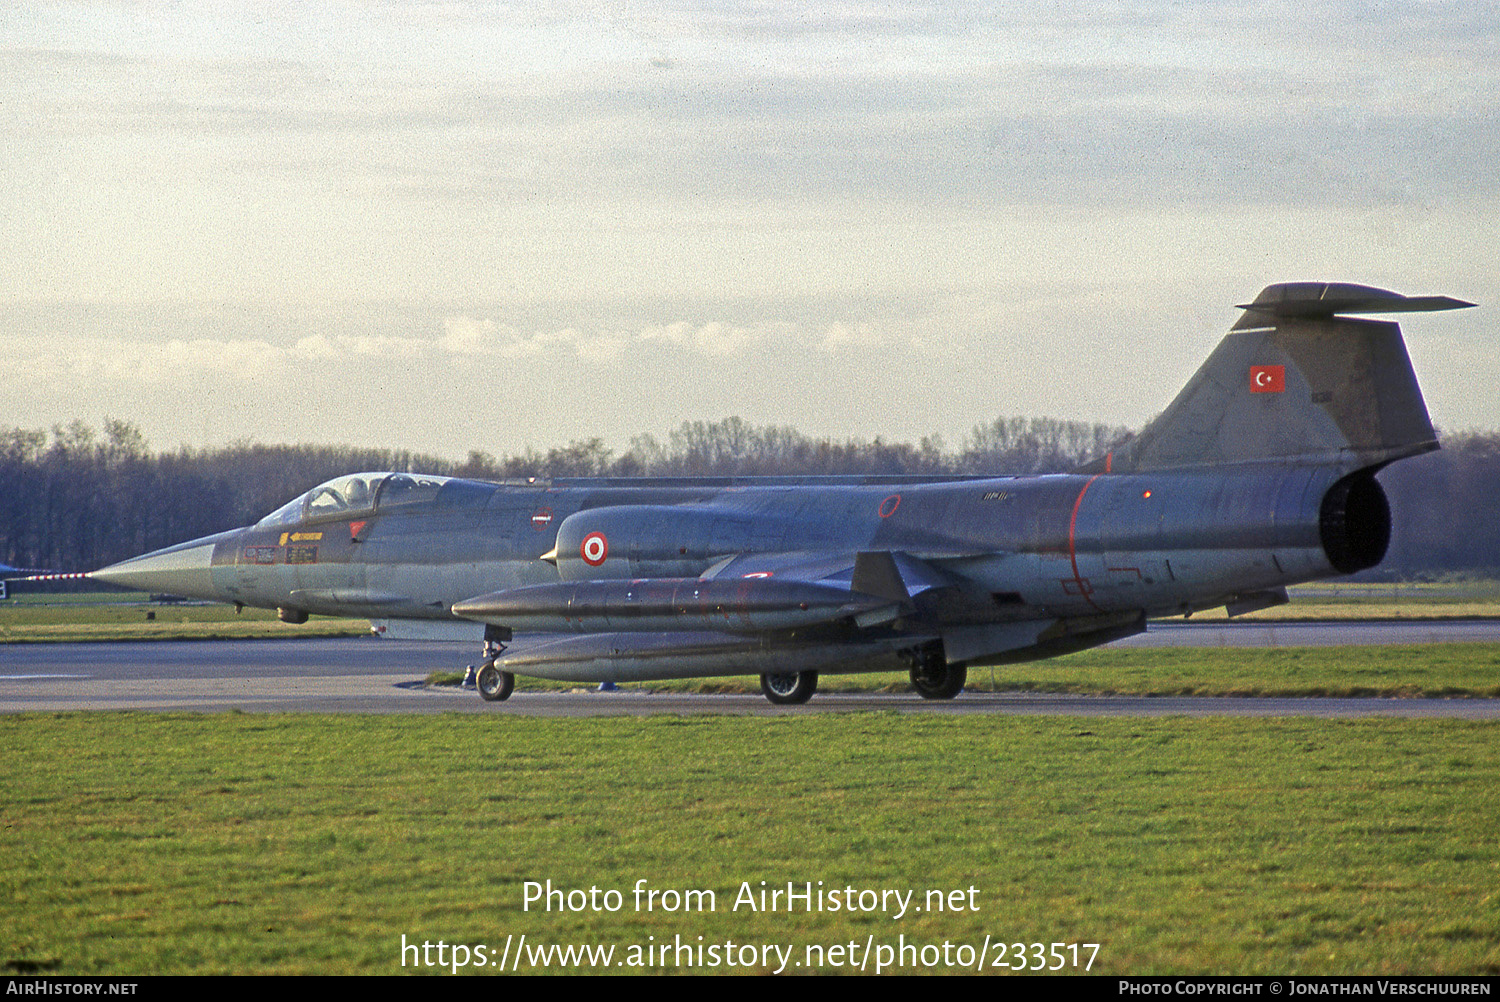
(93, 617)
(1388, 670)
(161, 843)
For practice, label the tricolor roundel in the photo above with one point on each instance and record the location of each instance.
(594, 549)
(1267, 379)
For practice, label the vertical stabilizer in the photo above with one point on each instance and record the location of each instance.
(1294, 381)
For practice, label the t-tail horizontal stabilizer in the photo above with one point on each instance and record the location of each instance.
(1311, 300)
(1296, 382)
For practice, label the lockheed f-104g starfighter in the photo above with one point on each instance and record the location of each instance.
(1260, 474)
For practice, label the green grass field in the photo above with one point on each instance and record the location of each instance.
(158, 843)
(139, 843)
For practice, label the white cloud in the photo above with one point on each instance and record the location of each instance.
(467, 336)
(64, 359)
(839, 337)
(713, 338)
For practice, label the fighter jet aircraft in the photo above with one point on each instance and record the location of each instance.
(1260, 474)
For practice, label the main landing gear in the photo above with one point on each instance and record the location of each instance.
(791, 687)
(934, 678)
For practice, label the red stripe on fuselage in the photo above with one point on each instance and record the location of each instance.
(1083, 587)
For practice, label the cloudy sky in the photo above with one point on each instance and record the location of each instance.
(477, 225)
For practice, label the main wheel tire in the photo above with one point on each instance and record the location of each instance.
(789, 687)
(935, 679)
(494, 684)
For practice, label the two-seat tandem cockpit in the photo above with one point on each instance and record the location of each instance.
(354, 495)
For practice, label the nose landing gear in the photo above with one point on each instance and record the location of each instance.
(492, 683)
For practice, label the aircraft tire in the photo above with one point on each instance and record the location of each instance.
(494, 684)
(790, 687)
(939, 680)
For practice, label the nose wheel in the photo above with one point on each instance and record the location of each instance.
(494, 684)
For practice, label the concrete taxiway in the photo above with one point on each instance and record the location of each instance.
(384, 676)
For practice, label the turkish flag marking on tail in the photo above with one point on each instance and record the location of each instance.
(1267, 379)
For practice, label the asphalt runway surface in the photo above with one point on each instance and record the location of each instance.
(385, 676)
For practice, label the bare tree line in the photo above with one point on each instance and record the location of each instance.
(76, 498)
(734, 447)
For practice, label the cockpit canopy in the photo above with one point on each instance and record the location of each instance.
(356, 494)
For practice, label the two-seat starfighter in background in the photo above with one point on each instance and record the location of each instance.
(1260, 474)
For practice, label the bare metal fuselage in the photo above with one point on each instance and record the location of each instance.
(1097, 552)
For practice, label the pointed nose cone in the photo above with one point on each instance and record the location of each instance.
(184, 569)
